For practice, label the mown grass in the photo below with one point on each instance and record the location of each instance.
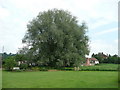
(0, 79)
(61, 79)
(100, 67)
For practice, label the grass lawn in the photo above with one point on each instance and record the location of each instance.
(101, 67)
(61, 79)
(110, 66)
(0, 79)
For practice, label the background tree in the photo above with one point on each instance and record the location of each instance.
(99, 57)
(54, 38)
(10, 63)
(93, 55)
(20, 57)
(115, 59)
(23, 66)
(5, 56)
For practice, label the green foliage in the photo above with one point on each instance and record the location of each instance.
(18, 70)
(20, 57)
(35, 68)
(55, 39)
(43, 69)
(10, 63)
(40, 68)
(67, 69)
(115, 59)
(99, 56)
(23, 66)
(5, 56)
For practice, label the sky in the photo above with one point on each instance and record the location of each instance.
(101, 17)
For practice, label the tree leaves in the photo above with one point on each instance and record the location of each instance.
(55, 38)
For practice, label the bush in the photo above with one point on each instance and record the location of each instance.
(35, 68)
(23, 66)
(43, 69)
(18, 70)
(68, 69)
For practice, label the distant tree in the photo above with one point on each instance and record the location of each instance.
(93, 55)
(24, 54)
(112, 59)
(5, 56)
(23, 66)
(119, 61)
(99, 57)
(55, 38)
(109, 55)
(20, 57)
(115, 59)
(10, 63)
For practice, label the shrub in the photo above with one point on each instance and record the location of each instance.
(18, 70)
(43, 69)
(23, 66)
(35, 68)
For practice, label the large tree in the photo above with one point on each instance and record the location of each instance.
(55, 38)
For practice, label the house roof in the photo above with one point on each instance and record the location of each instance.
(105, 56)
(93, 59)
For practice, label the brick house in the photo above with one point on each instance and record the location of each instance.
(91, 61)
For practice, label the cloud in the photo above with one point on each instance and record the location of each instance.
(17, 13)
(4, 13)
(116, 41)
(103, 46)
(99, 23)
(81, 8)
(107, 31)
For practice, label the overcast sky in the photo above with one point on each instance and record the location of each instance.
(101, 17)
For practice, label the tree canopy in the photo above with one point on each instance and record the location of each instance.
(10, 63)
(115, 59)
(54, 38)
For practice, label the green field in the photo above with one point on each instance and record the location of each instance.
(101, 67)
(0, 79)
(61, 79)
